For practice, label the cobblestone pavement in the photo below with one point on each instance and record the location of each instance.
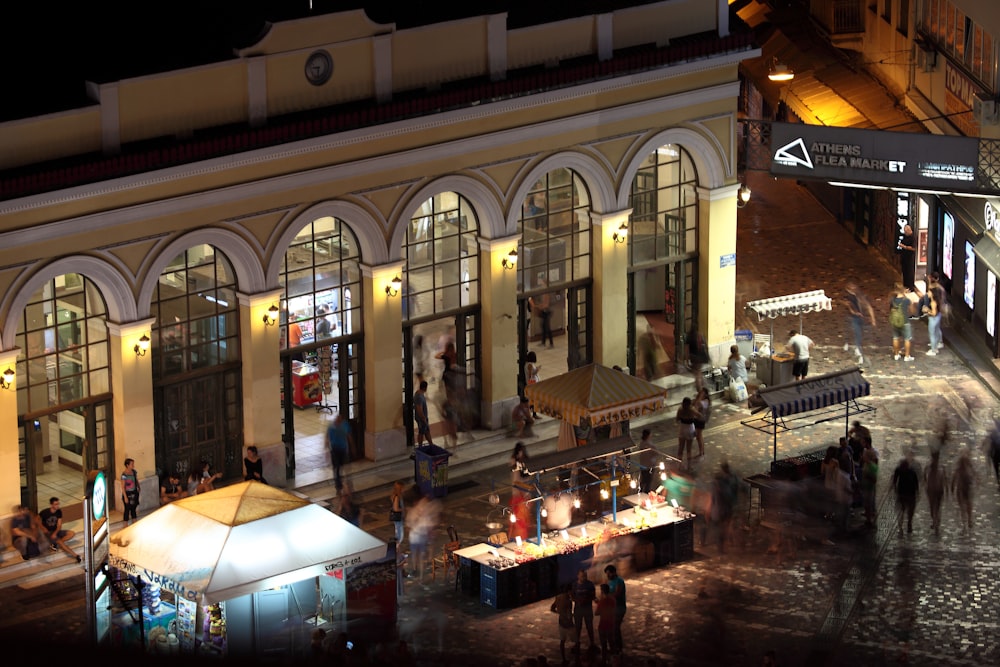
(873, 597)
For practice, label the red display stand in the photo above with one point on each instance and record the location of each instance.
(306, 386)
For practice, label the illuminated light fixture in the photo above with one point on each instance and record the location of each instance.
(392, 289)
(663, 466)
(513, 518)
(632, 483)
(621, 235)
(576, 503)
(604, 494)
(545, 512)
(742, 196)
(663, 476)
(7, 379)
(142, 346)
(510, 261)
(271, 316)
(779, 71)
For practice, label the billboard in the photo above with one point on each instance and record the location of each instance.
(900, 160)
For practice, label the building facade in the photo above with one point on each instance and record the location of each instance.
(202, 257)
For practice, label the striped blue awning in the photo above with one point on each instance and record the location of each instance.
(816, 392)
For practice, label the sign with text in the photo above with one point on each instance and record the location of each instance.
(900, 160)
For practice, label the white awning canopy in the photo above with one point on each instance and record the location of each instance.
(792, 304)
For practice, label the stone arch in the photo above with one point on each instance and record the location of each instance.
(365, 227)
(114, 287)
(485, 202)
(707, 156)
(245, 262)
(596, 176)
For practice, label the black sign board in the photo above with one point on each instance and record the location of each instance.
(901, 160)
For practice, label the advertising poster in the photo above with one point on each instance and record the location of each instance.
(948, 244)
(991, 303)
(970, 276)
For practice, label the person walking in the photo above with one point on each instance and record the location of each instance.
(583, 593)
(338, 439)
(420, 414)
(542, 306)
(961, 486)
(130, 492)
(531, 374)
(800, 344)
(563, 606)
(906, 483)
(859, 311)
(616, 586)
(902, 333)
(703, 404)
(397, 511)
(992, 446)
(935, 484)
(687, 416)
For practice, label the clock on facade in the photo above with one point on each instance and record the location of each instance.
(319, 68)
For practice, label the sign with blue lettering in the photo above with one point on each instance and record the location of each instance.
(727, 260)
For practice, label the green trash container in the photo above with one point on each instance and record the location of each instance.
(430, 470)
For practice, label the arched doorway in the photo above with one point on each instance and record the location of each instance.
(554, 274)
(197, 376)
(441, 315)
(663, 261)
(321, 338)
(63, 393)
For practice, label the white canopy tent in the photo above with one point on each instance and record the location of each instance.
(237, 540)
(791, 304)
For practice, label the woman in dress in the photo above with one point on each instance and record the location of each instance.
(686, 417)
(254, 465)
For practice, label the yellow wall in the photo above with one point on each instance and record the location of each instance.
(543, 44)
(458, 52)
(47, 137)
(352, 79)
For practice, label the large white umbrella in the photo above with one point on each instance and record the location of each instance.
(237, 540)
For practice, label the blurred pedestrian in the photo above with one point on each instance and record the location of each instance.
(583, 593)
(522, 420)
(961, 486)
(542, 306)
(349, 510)
(703, 404)
(606, 622)
(396, 512)
(935, 484)
(992, 446)
(697, 351)
(421, 520)
(338, 440)
(648, 348)
(868, 483)
(859, 311)
(26, 532)
(419, 358)
(562, 605)
(725, 487)
(616, 586)
(687, 416)
(906, 483)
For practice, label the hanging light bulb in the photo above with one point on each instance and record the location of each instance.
(631, 483)
(576, 503)
(663, 476)
(663, 466)
(604, 494)
(545, 512)
(513, 518)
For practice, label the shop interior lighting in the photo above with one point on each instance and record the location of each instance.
(7, 379)
(392, 289)
(142, 346)
(510, 261)
(271, 316)
(779, 71)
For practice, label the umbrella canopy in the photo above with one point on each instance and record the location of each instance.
(597, 394)
(237, 540)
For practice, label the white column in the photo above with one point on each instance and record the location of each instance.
(383, 390)
(610, 272)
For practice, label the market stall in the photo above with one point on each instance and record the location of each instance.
(812, 401)
(593, 396)
(776, 368)
(642, 530)
(251, 570)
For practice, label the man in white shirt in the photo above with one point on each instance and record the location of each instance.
(799, 344)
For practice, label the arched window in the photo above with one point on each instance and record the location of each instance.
(197, 314)
(664, 220)
(63, 337)
(442, 257)
(555, 231)
(321, 275)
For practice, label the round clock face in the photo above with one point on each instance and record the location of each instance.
(319, 68)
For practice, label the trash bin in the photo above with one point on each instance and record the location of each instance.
(430, 470)
(744, 340)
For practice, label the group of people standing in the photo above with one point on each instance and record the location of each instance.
(692, 416)
(577, 604)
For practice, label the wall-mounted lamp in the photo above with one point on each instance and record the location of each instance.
(779, 71)
(510, 261)
(621, 235)
(141, 347)
(271, 316)
(743, 196)
(392, 289)
(7, 379)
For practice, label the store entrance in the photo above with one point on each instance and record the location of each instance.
(57, 449)
(660, 303)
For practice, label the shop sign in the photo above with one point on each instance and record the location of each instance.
(900, 160)
(727, 260)
(990, 218)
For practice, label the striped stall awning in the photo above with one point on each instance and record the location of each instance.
(816, 392)
(597, 394)
(792, 304)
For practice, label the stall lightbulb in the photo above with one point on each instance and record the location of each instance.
(632, 484)
(545, 512)
(663, 476)
(663, 466)
(513, 518)
(604, 494)
(576, 503)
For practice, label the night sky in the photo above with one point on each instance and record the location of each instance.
(50, 49)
